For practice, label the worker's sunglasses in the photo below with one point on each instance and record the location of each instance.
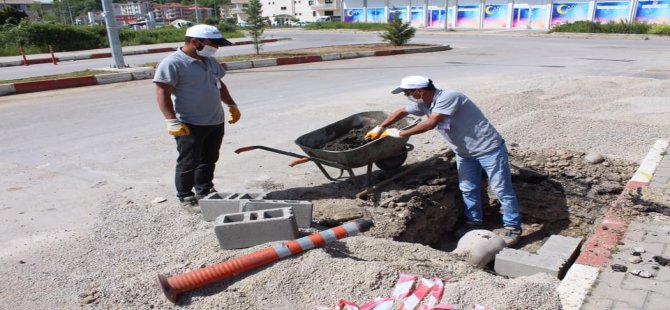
(408, 92)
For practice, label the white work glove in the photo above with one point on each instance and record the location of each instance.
(374, 134)
(391, 132)
(177, 128)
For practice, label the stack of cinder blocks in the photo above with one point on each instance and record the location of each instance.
(554, 258)
(246, 219)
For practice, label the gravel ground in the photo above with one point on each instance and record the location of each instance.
(134, 239)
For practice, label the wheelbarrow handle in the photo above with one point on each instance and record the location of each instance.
(245, 149)
(298, 161)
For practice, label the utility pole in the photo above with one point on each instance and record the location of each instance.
(197, 16)
(113, 34)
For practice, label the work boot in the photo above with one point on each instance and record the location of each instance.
(190, 204)
(512, 235)
(467, 227)
(205, 194)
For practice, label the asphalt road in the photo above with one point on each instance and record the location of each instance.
(65, 152)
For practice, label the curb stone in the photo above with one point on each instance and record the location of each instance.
(121, 75)
(597, 251)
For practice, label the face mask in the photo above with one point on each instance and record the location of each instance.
(411, 98)
(206, 51)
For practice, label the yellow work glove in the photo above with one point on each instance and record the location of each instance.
(234, 113)
(177, 128)
(392, 132)
(374, 134)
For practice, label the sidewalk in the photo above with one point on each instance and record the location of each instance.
(140, 73)
(619, 267)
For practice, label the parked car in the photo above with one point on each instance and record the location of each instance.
(328, 19)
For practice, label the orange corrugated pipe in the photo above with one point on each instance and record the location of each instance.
(173, 286)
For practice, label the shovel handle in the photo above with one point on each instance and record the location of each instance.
(298, 161)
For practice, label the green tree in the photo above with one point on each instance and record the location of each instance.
(10, 15)
(398, 32)
(36, 7)
(256, 23)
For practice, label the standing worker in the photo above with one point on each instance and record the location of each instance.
(189, 92)
(476, 143)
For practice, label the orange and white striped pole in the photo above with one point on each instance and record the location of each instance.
(173, 286)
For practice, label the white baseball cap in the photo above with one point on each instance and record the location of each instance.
(411, 82)
(207, 32)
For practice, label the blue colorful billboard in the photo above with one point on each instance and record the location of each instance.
(653, 12)
(611, 11)
(376, 15)
(569, 12)
(402, 13)
(436, 17)
(468, 16)
(496, 15)
(354, 15)
(418, 16)
(521, 17)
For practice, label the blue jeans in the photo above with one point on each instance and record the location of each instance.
(496, 165)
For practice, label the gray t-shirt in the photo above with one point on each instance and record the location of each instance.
(196, 96)
(466, 129)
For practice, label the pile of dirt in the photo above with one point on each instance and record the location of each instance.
(351, 140)
(560, 192)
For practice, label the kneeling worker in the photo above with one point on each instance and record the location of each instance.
(474, 140)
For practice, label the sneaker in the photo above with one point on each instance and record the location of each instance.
(512, 235)
(467, 227)
(205, 194)
(190, 204)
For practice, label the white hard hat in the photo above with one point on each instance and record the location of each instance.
(207, 32)
(412, 82)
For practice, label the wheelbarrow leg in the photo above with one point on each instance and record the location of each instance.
(368, 180)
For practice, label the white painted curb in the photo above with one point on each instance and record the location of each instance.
(235, 65)
(646, 170)
(263, 63)
(6, 89)
(329, 57)
(576, 285)
(110, 78)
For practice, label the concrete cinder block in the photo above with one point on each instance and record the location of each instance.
(566, 248)
(246, 229)
(302, 209)
(517, 263)
(216, 204)
(113, 78)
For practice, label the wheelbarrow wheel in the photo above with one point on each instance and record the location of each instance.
(392, 162)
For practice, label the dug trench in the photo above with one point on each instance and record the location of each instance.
(560, 192)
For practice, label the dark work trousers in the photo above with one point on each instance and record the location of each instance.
(198, 154)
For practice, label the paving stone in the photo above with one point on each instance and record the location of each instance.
(663, 274)
(657, 301)
(598, 304)
(635, 298)
(622, 306)
(633, 282)
(611, 277)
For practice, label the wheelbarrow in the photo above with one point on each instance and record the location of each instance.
(386, 153)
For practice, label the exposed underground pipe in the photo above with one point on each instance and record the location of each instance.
(173, 286)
